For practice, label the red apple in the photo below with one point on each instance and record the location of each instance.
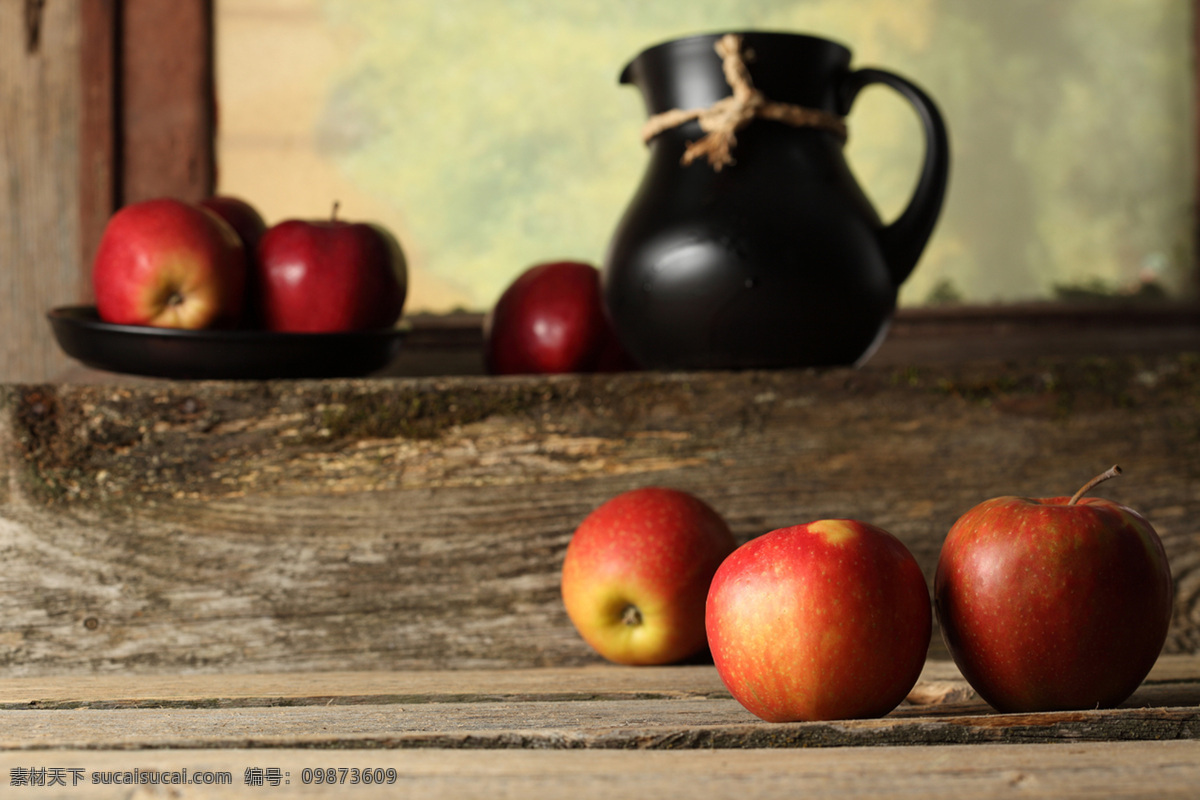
(551, 319)
(242, 217)
(829, 620)
(246, 220)
(637, 571)
(168, 264)
(323, 276)
(1053, 604)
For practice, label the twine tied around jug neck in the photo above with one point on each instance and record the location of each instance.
(723, 119)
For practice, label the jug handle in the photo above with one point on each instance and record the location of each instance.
(903, 240)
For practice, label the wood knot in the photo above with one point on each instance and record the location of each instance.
(34, 13)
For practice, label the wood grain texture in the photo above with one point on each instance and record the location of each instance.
(963, 772)
(579, 732)
(534, 725)
(420, 523)
(602, 707)
(234, 690)
(39, 167)
(168, 104)
(99, 167)
(1174, 680)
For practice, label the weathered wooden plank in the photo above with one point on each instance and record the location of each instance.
(548, 684)
(168, 100)
(562, 722)
(40, 103)
(546, 731)
(99, 131)
(1174, 680)
(420, 523)
(1109, 770)
(611, 725)
(452, 344)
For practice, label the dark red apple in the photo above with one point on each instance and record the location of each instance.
(166, 263)
(243, 217)
(323, 276)
(551, 319)
(828, 620)
(246, 220)
(1053, 604)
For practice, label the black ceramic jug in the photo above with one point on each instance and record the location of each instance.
(772, 257)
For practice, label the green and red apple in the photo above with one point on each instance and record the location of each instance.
(636, 575)
(822, 621)
(1053, 604)
(169, 264)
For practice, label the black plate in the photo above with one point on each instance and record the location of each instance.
(219, 354)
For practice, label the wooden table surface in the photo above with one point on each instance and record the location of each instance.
(591, 731)
(187, 563)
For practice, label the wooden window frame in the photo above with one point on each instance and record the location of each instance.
(149, 122)
(148, 116)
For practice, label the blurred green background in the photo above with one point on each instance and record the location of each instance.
(493, 135)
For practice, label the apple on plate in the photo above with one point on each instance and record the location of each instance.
(326, 276)
(1053, 604)
(244, 218)
(250, 226)
(170, 264)
(551, 319)
(637, 571)
(822, 621)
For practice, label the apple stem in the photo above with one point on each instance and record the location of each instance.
(333, 214)
(631, 616)
(1093, 483)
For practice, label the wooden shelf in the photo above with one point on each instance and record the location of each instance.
(601, 706)
(415, 523)
(364, 573)
(583, 732)
(451, 344)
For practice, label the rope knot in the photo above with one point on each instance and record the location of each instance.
(723, 119)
